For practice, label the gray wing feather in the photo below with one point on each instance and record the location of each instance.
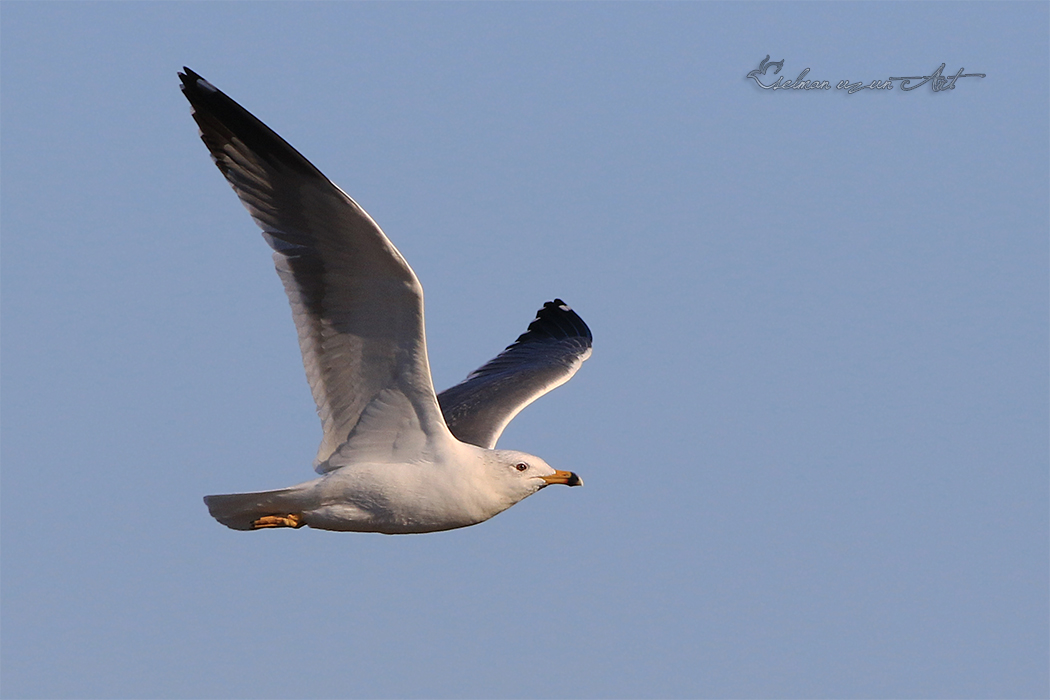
(544, 357)
(355, 300)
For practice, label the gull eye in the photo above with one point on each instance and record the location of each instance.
(521, 466)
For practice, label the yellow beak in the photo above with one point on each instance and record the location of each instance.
(567, 478)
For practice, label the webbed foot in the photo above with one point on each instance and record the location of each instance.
(290, 520)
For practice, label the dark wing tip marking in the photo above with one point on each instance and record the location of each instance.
(190, 77)
(222, 120)
(555, 321)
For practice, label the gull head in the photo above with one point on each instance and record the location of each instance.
(519, 474)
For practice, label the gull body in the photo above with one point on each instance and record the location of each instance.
(466, 486)
(395, 457)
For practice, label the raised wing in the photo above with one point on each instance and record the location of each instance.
(544, 357)
(357, 305)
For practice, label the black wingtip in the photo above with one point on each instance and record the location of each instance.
(188, 76)
(197, 89)
(221, 120)
(555, 320)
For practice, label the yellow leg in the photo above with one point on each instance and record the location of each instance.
(290, 520)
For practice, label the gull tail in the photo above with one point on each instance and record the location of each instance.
(242, 511)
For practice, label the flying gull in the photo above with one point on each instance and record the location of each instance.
(394, 457)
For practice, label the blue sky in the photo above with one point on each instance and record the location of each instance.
(813, 430)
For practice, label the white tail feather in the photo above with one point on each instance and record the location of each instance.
(239, 510)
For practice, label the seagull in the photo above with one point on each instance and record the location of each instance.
(394, 458)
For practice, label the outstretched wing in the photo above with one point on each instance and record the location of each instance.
(357, 305)
(544, 357)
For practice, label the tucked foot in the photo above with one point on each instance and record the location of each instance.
(290, 520)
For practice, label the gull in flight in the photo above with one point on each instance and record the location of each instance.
(394, 457)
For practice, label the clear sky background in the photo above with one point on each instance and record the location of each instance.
(814, 429)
